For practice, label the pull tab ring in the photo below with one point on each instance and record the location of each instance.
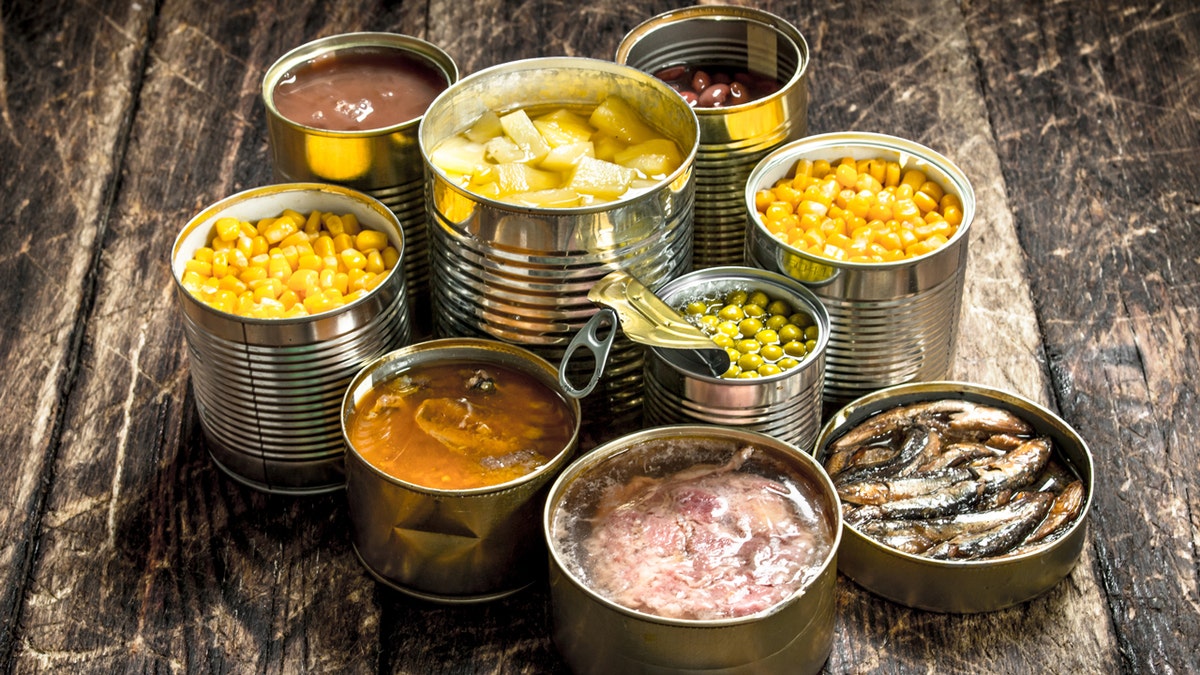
(589, 338)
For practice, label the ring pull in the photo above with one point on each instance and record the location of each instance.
(589, 338)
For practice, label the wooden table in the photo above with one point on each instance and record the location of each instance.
(122, 548)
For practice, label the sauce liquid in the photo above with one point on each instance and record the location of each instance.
(444, 426)
(358, 90)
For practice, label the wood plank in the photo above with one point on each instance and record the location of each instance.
(63, 118)
(1094, 107)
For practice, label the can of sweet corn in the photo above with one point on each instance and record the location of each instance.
(890, 322)
(357, 73)
(269, 390)
(522, 274)
(786, 405)
(752, 45)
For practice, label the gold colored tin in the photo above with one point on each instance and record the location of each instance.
(450, 546)
(384, 163)
(966, 586)
(597, 635)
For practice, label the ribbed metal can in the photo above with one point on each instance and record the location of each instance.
(733, 139)
(269, 391)
(384, 163)
(454, 546)
(890, 323)
(522, 275)
(786, 406)
(597, 634)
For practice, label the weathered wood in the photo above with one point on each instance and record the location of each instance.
(123, 548)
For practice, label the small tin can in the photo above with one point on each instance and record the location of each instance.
(450, 546)
(733, 138)
(786, 406)
(268, 391)
(383, 162)
(598, 634)
(522, 275)
(892, 322)
(962, 586)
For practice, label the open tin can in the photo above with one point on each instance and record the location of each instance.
(522, 274)
(733, 138)
(786, 405)
(598, 629)
(891, 322)
(953, 585)
(384, 162)
(268, 391)
(461, 545)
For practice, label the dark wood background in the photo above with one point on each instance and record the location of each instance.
(122, 549)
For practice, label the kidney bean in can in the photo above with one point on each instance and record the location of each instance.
(269, 391)
(383, 162)
(522, 274)
(890, 322)
(736, 135)
(786, 406)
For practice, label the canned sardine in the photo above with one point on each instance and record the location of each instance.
(739, 45)
(345, 109)
(268, 391)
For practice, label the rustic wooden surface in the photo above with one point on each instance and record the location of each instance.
(123, 549)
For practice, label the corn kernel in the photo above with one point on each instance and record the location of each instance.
(367, 239)
(228, 229)
(391, 257)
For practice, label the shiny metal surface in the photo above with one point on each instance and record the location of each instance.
(891, 323)
(522, 275)
(732, 139)
(384, 163)
(786, 406)
(268, 390)
(972, 585)
(449, 546)
(597, 636)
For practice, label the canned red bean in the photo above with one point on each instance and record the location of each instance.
(706, 86)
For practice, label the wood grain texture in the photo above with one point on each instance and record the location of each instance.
(122, 548)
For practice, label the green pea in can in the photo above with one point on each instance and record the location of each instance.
(368, 148)
(786, 405)
(890, 322)
(269, 390)
(772, 57)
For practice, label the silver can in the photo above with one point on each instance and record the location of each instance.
(786, 406)
(269, 391)
(963, 586)
(522, 275)
(892, 322)
(450, 546)
(597, 634)
(733, 139)
(384, 163)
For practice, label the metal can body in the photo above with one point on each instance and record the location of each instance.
(596, 635)
(966, 586)
(268, 391)
(786, 406)
(450, 546)
(384, 163)
(732, 139)
(522, 275)
(893, 322)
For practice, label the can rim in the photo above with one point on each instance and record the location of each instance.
(786, 156)
(619, 446)
(426, 51)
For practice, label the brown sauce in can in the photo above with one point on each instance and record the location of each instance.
(358, 90)
(460, 426)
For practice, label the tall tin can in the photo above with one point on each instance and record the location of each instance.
(522, 275)
(890, 322)
(597, 633)
(269, 391)
(383, 162)
(786, 406)
(733, 138)
(453, 546)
